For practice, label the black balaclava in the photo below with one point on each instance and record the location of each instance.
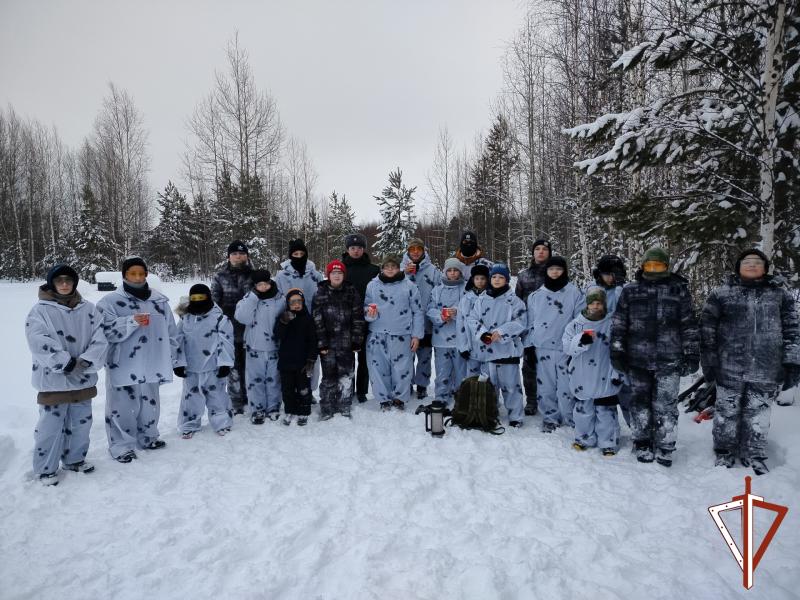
(200, 301)
(299, 264)
(468, 244)
(555, 285)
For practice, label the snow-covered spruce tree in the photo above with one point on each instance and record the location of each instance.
(92, 242)
(398, 223)
(173, 241)
(341, 221)
(732, 127)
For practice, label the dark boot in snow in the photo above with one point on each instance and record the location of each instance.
(578, 446)
(274, 415)
(155, 445)
(530, 410)
(400, 405)
(362, 398)
(724, 459)
(258, 417)
(346, 412)
(386, 406)
(664, 461)
(80, 467)
(515, 424)
(302, 421)
(127, 457)
(548, 427)
(759, 465)
(48, 479)
(609, 452)
(643, 452)
(422, 392)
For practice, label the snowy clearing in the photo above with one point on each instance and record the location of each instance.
(375, 508)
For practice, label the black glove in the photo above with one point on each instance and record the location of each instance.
(286, 316)
(791, 376)
(179, 371)
(689, 365)
(70, 365)
(309, 368)
(617, 382)
(586, 339)
(223, 371)
(464, 354)
(619, 361)
(709, 375)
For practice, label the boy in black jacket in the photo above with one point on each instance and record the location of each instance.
(297, 354)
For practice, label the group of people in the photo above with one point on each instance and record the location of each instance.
(253, 343)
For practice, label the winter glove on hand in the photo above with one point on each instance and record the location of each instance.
(689, 365)
(586, 339)
(309, 368)
(464, 354)
(223, 372)
(616, 382)
(619, 361)
(791, 376)
(286, 316)
(69, 366)
(179, 371)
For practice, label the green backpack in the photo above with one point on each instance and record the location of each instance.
(476, 407)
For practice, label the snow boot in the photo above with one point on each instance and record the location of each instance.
(579, 447)
(724, 459)
(548, 427)
(302, 421)
(530, 410)
(258, 417)
(287, 420)
(274, 415)
(224, 431)
(758, 465)
(346, 412)
(665, 460)
(326, 416)
(515, 424)
(643, 452)
(362, 398)
(48, 479)
(386, 406)
(422, 393)
(609, 452)
(400, 405)
(127, 457)
(187, 435)
(155, 445)
(80, 467)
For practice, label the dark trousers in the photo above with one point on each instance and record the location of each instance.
(296, 392)
(529, 383)
(237, 389)
(362, 374)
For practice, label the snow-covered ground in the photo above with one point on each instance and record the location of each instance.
(374, 508)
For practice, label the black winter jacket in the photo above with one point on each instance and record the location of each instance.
(297, 341)
(748, 331)
(529, 280)
(654, 326)
(229, 286)
(339, 317)
(360, 272)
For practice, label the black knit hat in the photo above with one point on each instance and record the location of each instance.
(132, 261)
(260, 275)
(557, 261)
(751, 252)
(295, 292)
(469, 236)
(237, 246)
(611, 263)
(59, 270)
(298, 244)
(542, 242)
(479, 270)
(355, 239)
(200, 301)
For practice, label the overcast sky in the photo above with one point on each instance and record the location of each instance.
(365, 84)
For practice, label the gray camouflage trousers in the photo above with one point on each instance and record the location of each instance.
(654, 409)
(422, 368)
(131, 416)
(62, 433)
(201, 391)
(741, 419)
(336, 387)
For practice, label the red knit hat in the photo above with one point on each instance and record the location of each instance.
(335, 265)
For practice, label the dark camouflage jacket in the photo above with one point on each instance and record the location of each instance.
(229, 286)
(339, 317)
(529, 280)
(654, 325)
(749, 331)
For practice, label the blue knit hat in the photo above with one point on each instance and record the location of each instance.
(500, 269)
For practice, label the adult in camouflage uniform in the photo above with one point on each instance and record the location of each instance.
(655, 340)
(228, 287)
(528, 281)
(339, 320)
(750, 346)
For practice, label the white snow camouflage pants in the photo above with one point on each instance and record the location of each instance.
(132, 415)
(553, 395)
(506, 379)
(450, 370)
(201, 391)
(596, 425)
(61, 434)
(741, 419)
(390, 366)
(263, 381)
(654, 409)
(472, 368)
(336, 388)
(422, 368)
